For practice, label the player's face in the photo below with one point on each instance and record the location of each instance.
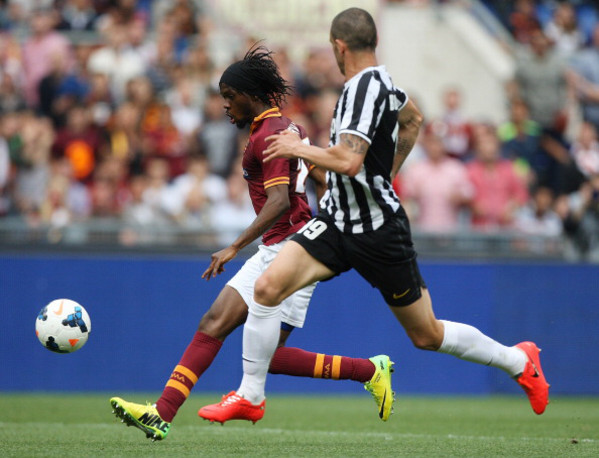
(238, 106)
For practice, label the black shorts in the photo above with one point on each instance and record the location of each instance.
(385, 257)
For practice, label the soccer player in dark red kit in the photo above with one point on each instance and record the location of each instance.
(253, 90)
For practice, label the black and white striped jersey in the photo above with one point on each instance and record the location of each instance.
(367, 108)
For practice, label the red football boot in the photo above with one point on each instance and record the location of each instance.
(233, 407)
(532, 379)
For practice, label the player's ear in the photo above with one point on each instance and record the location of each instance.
(340, 45)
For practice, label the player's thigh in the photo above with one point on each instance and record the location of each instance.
(226, 313)
(291, 270)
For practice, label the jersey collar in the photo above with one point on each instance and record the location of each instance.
(270, 113)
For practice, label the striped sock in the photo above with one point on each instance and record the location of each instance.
(301, 363)
(195, 360)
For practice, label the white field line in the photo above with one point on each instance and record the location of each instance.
(217, 429)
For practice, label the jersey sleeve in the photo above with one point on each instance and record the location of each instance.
(365, 105)
(275, 172)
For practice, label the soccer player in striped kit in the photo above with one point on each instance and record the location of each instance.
(362, 225)
(253, 90)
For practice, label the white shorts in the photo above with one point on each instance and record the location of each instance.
(294, 308)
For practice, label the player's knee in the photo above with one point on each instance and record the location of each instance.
(425, 341)
(266, 292)
(219, 325)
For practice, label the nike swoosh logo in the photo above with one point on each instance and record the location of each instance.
(536, 374)
(399, 296)
(383, 405)
(59, 311)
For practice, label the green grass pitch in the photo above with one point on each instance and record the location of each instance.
(82, 425)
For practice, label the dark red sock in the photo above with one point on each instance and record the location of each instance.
(301, 363)
(198, 356)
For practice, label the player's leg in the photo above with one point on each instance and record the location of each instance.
(291, 270)
(374, 373)
(226, 313)
(466, 342)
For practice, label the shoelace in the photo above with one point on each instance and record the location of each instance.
(231, 400)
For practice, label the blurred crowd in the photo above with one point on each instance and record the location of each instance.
(129, 124)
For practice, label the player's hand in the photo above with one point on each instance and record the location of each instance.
(218, 261)
(283, 145)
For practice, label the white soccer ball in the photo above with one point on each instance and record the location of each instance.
(63, 326)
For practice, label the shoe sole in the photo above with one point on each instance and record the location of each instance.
(382, 410)
(125, 417)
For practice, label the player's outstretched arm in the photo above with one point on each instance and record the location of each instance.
(346, 157)
(409, 119)
(277, 203)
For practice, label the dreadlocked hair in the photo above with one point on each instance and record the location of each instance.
(272, 87)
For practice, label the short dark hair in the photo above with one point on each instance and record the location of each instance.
(356, 28)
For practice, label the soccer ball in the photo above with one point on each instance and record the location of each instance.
(63, 326)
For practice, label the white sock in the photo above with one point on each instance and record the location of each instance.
(467, 342)
(260, 338)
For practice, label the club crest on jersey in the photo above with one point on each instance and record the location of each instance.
(293, 128)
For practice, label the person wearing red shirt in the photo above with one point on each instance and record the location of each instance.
(253, 90)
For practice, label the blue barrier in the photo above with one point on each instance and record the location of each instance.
(145, 309)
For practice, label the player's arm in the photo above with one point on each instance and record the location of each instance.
(277, 203)
(409, 119)
(346, 157)
(319, 178)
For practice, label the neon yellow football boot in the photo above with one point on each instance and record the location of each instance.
(380, 385)
(144, 417)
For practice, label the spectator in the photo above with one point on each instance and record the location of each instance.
(436, 189)
(77, 15)
(584, 79)
(231, 216)
(185, 107)
(109, 190)
(159, 136)
(66, 200)
(146, 49)
(520, 139)
(453, 127)
(538, 217)
(60, 90)
(11, 98)
(198, 66)
(540, 80)
(80, 141)
(157, 173)
(585, 150)
(161, 72)
(580, 214)
(523, 20)
(562, 30)
(124, 140)
(192, 194)
(217, 138)
(116, 60)
(499, 191)
(43, 43)
(33, 166)
(99, 99)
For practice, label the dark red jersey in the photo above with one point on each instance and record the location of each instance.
(260, 175)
